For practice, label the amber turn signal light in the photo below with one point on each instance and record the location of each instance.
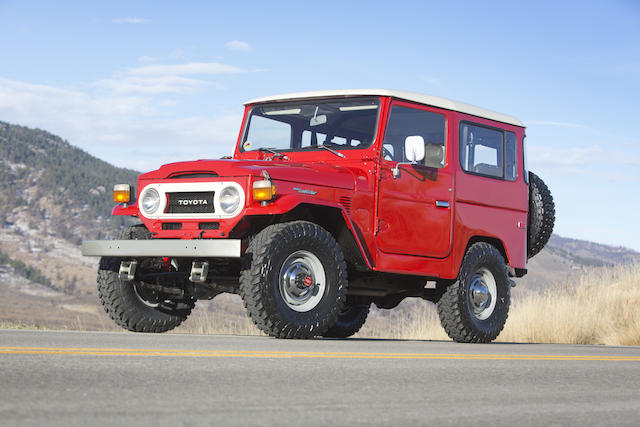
(122, 193)
(263, 190)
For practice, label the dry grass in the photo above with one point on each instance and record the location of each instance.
(600, 307)
(216, 323)
(16, 325)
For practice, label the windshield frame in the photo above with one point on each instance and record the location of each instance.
(310, 148)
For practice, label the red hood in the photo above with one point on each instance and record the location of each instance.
(311, 173)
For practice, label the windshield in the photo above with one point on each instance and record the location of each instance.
(341, 124)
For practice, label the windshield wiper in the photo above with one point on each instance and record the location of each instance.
(274, 152)
(323, 146)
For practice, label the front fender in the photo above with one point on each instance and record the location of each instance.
(289, 203)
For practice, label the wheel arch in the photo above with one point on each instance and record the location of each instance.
(493, 241)
(334, 219)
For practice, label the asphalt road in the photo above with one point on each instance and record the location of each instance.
(79, 378)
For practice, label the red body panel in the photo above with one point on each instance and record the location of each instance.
(395, 222)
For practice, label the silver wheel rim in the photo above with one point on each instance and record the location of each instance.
(483, 293)
(302, 281)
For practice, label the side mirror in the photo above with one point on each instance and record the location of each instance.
(413, 151)
(414, 148)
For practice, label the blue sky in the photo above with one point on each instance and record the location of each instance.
(144, 83)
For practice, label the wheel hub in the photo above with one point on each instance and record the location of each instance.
(295, 278)
(302, 281)
(480, 296)
(482, 293)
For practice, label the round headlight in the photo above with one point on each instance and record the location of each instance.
(229, 199)
(150, 201)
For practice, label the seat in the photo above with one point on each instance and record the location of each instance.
(486, 169)
(433, 155)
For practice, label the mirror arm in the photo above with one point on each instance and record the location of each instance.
(396, 171)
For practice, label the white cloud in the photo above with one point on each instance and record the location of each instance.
(131, 20)
(553, 123)
(153, 84)
(166, 78)
(239, 46)
(187, 68)
(125, 130)
(607, 163)
(564, 157)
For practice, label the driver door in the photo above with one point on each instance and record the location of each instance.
(415, 207)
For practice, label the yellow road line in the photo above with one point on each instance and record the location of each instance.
(88, 351)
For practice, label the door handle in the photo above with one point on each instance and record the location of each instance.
(442, 204)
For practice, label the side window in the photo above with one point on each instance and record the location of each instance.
(481, 150)
(510, 156)
(404, 122)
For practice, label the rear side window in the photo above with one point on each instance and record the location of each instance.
(488, 151)
(481, 150)
(510, 156)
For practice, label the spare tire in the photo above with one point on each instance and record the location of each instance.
(542, 215)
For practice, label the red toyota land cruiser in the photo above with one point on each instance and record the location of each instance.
(332, 201)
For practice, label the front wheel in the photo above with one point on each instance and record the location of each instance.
(294, 281)
(134, 305)
(476, 306)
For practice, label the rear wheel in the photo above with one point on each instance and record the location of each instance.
(294, 281)
(134, 305)
(476, 306)
(350, 320)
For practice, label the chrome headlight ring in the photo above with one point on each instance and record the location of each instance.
(150, 201)
(229, 199)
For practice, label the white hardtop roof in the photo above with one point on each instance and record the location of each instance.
(435, 101)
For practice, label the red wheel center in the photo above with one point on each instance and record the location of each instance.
(307, 281)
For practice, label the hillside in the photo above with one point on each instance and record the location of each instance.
(51, 185)
(53, 195)
(563, 259)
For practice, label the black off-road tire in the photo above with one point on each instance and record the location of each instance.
(260, 280)
(349, 321)
(123, 304)
(542, 215)
(455, 309)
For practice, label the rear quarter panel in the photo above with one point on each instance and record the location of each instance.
(489, 207)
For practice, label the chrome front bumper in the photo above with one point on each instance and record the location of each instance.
(205, 248)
